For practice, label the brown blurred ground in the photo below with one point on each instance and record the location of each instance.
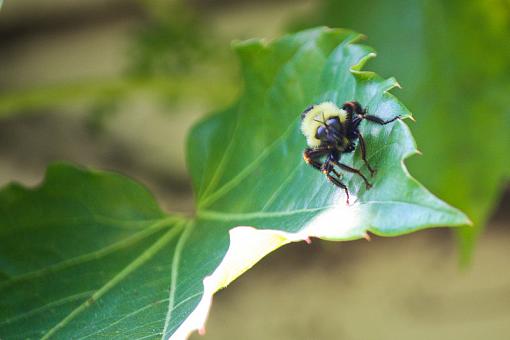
(403, 288)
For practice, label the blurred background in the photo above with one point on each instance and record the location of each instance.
(116, 84)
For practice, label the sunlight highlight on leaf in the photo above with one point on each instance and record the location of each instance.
(339, 222)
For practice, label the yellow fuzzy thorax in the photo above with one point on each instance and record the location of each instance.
(314, 118)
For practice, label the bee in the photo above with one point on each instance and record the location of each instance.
(331, 131)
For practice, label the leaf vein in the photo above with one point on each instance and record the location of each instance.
(175, 271)
(89, 256)
(140, 260)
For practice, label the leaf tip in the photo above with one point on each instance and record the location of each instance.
(461, 219)
(469, 222)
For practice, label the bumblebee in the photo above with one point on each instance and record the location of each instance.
(331, 131)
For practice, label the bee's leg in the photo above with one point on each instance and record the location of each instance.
(339, 184)
(378, 120)
(355, 171)
(328, 168)
(354, 108)
(310, 156)
(364, 154)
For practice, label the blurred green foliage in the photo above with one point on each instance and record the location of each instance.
(171, 41)
(453, 61)
(169, 57)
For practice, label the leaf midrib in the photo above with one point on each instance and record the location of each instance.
(213, 215)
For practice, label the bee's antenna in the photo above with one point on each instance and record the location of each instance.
(324, 121)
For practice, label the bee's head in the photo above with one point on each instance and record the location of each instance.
(329, 131)
(321, 123)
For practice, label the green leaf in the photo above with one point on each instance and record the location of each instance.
(90, 255)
